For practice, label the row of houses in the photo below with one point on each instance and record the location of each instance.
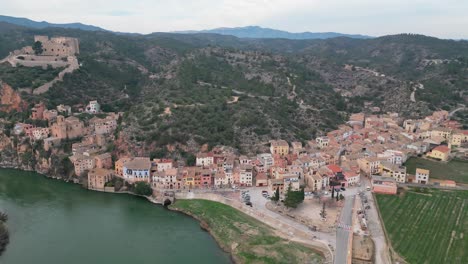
(367, 145)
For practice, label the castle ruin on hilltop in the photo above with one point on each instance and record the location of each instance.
(58, 46)
(56, 52)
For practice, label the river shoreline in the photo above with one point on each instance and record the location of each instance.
(204, 226)
(202, 223)
(14, 173)
(147, 198)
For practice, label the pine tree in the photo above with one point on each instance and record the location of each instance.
(276, 196)
(323, 213)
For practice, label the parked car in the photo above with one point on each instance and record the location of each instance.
(367, 207)
(343, 189)
(249, 204)
(263, 192)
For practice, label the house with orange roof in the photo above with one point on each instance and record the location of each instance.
(441, 152)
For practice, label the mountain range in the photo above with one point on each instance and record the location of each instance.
(260, 32)
(25, 22)
(240, 32)
(182, 91)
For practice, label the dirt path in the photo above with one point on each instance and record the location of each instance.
(234, 100)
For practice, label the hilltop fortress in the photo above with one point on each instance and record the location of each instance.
(57, 52)
(57, 46)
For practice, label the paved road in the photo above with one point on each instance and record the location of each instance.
(344, 231)
(259, 202)
(375, 227)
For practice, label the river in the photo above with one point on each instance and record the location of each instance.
(54, 222)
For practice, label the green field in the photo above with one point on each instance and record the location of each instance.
(253, 241)
(456, 170)
(427, 228)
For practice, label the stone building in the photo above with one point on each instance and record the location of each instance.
(279, 147)
(37, 112)
(103, 161)
(97, 178)
(70, 127)
(58, 46)
(82, 163)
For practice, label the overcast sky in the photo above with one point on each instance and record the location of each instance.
(440, 18)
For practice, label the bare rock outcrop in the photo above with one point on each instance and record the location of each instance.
(10, 99)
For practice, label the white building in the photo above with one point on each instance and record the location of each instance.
(322, 142)
(93, 107)
(204, 159)
(246, 175)
(266, 159)
(422, 176)
(137, 169)
(39, 133)
(163, 164)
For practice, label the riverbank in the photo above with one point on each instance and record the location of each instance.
(245, 238)
(44, 214)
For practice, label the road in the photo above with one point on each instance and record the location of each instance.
(344, 231)
(456, 110)
(375, 227)
(259, 202)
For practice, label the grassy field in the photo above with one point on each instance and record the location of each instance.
(427, 227)
(253, 241)
(454, 170)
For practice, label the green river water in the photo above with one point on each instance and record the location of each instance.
(54, 222)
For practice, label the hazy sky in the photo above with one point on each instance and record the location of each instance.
(441, 18)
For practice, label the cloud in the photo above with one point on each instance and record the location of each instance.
(433, 17)
(120, 13)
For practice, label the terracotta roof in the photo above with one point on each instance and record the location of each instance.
(334, 168)
(442, 148)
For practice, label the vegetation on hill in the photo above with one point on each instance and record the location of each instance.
(26, 77)
(191, 89)
(427, 227)
(248, 240)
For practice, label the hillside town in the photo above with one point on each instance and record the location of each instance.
(375, 146)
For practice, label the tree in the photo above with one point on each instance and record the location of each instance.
(191, 160)
(323, 213)
(276, 196)
(143, 188)
(37, 47)
(293, 198)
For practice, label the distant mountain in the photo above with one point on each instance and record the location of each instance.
(34, 24)
(259, 32)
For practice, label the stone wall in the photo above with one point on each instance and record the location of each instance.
(58, 46)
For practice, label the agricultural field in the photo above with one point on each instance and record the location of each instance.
(456, 170)
(247, 239)
(429, 227)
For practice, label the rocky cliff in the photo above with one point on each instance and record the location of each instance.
(10, 99)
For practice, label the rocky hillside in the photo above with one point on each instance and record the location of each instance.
(186, 90)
